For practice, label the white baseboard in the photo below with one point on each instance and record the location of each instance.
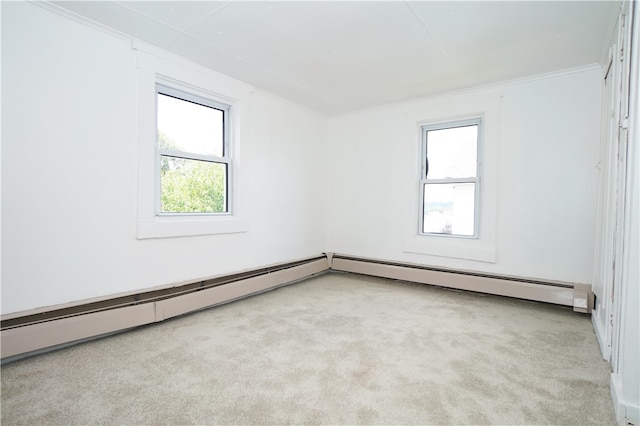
(605, 349)
(578, 296)
(626, 412)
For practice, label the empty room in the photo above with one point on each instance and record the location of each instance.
(320, 212)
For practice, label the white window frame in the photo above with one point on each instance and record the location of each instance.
(208, 101)
(424, 179)
(158, 67)
(453, 252)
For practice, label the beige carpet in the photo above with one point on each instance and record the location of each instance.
(336, 349)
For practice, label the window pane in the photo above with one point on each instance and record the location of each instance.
(449, 208)
(453, 152)
(192, 186)
(190, 127)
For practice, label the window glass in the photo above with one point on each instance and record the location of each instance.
(449, 208)
(190, 127)
(452, 153)
(192, 186)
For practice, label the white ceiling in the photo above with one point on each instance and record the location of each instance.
(338, 56)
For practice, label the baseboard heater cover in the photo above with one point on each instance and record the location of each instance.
(30, 332)
(23, 334)
(578, 296)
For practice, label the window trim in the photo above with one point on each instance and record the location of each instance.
(440, 109)
(477, 180)
(155, 66)
(199, 98)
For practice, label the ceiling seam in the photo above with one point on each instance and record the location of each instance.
(202, 18)
(180, 31)
(431, 36)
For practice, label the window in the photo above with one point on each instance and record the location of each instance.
(189, 178)
(192, 151)
(450, 183)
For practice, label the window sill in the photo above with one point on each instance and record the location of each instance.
(167, 227)
(457, 248)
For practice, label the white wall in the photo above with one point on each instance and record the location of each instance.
(539, 188)
(69, 163)
(625, 378)
(629, 366)
(616, 275)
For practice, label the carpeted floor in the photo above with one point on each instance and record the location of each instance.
(335, 349)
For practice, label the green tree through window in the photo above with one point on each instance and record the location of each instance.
(188, 185)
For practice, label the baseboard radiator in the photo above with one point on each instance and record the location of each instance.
(33, 331)
(578, 296)
(28, 332)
